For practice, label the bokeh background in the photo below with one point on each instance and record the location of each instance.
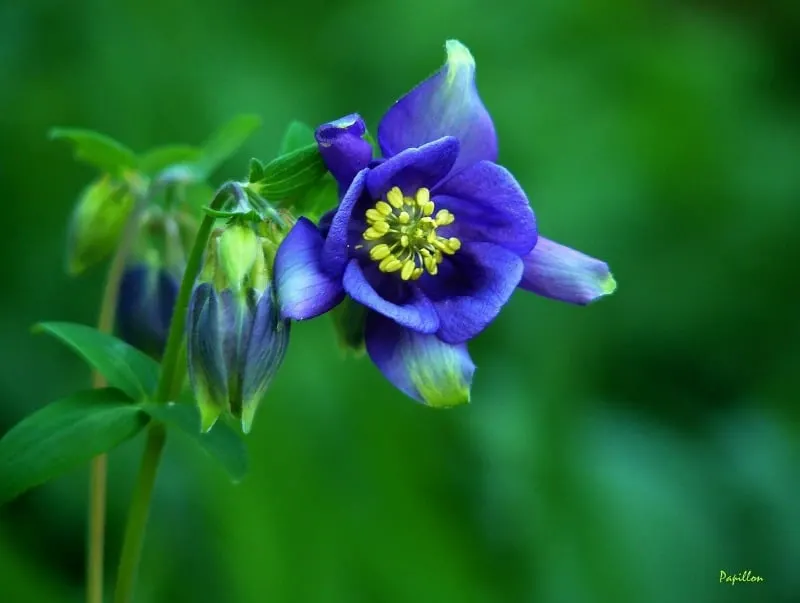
(624, 452)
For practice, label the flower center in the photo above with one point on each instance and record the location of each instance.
(402, 234)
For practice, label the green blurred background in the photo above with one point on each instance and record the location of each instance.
(625, 452)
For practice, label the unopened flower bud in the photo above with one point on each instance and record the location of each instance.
(150, 284)
(147, 297)
(97, 222)
(236, 340)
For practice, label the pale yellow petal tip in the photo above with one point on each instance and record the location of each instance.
(608, 286)
(208, 416)
(248, 414)
(345, 122)
(436, 398)
(458, 57)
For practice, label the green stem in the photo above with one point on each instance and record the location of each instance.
(98, 472)
(169, 376)
(137, 516)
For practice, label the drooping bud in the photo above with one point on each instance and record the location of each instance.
(236, 340)
(97, 222)
(150, 283)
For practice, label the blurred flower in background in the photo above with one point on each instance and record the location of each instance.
(152, 278)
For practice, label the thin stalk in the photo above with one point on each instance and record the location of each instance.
(98, 472)
(171, 371)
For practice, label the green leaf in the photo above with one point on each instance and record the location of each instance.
(122, 365)
(256, 170)
(225, 142)
(297, 136)
(160, 158)
(97, 149)
(292, 174)
(64, 435)
(222, 443)
(322, 196)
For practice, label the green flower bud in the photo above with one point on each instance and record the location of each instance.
(237, 250)
(97, 222)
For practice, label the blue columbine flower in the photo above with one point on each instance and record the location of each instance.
(433, 237)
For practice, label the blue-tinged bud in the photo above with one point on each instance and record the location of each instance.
(146, 300)
(97, 222)
(236, 340)
(150, 283)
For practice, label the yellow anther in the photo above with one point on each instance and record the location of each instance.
(447, 249)
(382, 227)
(373, 215)
(395, 197)
(444, 217)
(390, 264)
(430, 264)
(408, 270)
(370, 234)
(409, 241)
(379, 251)
(383, 208)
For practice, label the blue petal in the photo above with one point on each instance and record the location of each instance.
(335, 251)
(324, 224)
(489, 206)
(304, 289)
(414, 168)
(343, 149)
(269, 339)
(207, 370)
(421, 366)
(418, 314)
(446, 104)
(561, 273)
(471, 289)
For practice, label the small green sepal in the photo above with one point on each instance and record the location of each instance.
(291, 174)
(237, 248)
(256, 170)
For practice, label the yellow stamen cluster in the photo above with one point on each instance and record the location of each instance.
(402, 234)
